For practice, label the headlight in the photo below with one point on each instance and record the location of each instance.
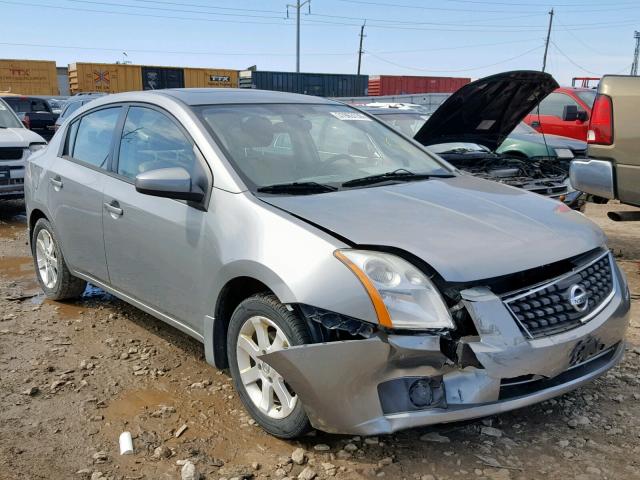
(34, 147)
(402, 296)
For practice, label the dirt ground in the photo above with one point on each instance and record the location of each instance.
(73, 376)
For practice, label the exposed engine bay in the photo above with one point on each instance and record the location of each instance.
(546, 176)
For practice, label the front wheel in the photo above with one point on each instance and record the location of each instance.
(261, 324)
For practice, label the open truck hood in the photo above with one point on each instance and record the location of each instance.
(486, 111)
(464, 227)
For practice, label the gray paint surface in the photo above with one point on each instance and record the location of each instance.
(442, 221)
(173, 260)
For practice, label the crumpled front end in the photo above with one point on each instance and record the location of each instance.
(389, 382)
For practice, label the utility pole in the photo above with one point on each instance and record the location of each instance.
(634, 65)
(298, 6)
(360, 52)
(546, 45)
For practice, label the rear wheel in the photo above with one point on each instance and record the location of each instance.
(54, 276)
(261, 324)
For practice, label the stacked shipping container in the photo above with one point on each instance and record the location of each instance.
(402, 85)
(28, 77)
(320, 84)
(34, 77)
(114, 78)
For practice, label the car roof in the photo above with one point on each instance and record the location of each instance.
(209, 96)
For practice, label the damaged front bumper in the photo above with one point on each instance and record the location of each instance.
(391, 382)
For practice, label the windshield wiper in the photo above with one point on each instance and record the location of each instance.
(400, 174)
(297, 188)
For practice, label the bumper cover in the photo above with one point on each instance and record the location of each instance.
(339, 383)
(593, 176)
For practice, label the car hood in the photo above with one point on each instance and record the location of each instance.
(553, 141)
(487, 110)
(466, 228)
(18, 137)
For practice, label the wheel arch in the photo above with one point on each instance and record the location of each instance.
(231, 295)
(35, 215)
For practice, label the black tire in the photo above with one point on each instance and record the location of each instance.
(296, 331)
(67, 286)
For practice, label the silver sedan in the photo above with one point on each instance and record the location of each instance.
(349, 279)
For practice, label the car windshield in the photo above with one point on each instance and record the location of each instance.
(8, 119)
(407, 122)
(524, 128)
(587, 96)
(273, 144)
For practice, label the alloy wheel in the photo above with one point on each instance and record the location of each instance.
(47, 259)
(264, 385)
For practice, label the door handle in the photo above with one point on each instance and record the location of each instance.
(56, 182)
(114, 208)
(535, 124)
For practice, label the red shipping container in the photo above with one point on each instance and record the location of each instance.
(405, 84)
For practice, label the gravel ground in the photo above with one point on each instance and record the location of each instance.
(73, 376)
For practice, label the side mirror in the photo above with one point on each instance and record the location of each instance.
(582, 116)
(570, 113)
(173, 182)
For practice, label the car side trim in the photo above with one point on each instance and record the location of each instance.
(142, 306)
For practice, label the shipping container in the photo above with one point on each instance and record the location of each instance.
(114, 78)
(320, 84)
(28, 77)
(104, 77)
(210, 77)
(405, 84)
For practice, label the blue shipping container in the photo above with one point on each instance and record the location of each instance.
(320, 84)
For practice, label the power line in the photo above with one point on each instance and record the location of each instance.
(148, 15)
(234, 54)
(182, 10)
(484, 10)
(458, 70)
(573, 62)
(527, 4)
(172, 52)
(206, 7)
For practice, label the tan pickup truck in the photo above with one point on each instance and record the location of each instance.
(613, 168)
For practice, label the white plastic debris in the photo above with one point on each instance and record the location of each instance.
(126, 443)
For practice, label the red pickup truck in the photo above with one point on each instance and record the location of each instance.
(565, 111)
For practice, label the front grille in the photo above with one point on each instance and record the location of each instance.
(11, 153)
(547, 309)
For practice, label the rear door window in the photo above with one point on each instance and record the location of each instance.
(94, 136)
(150, 141)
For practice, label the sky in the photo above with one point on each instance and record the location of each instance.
(465, 38)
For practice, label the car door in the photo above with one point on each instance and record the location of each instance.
(156, 247)
(547, 118)
(76, 180)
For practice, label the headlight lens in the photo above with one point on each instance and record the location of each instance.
(34, 147)
(403, 296)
